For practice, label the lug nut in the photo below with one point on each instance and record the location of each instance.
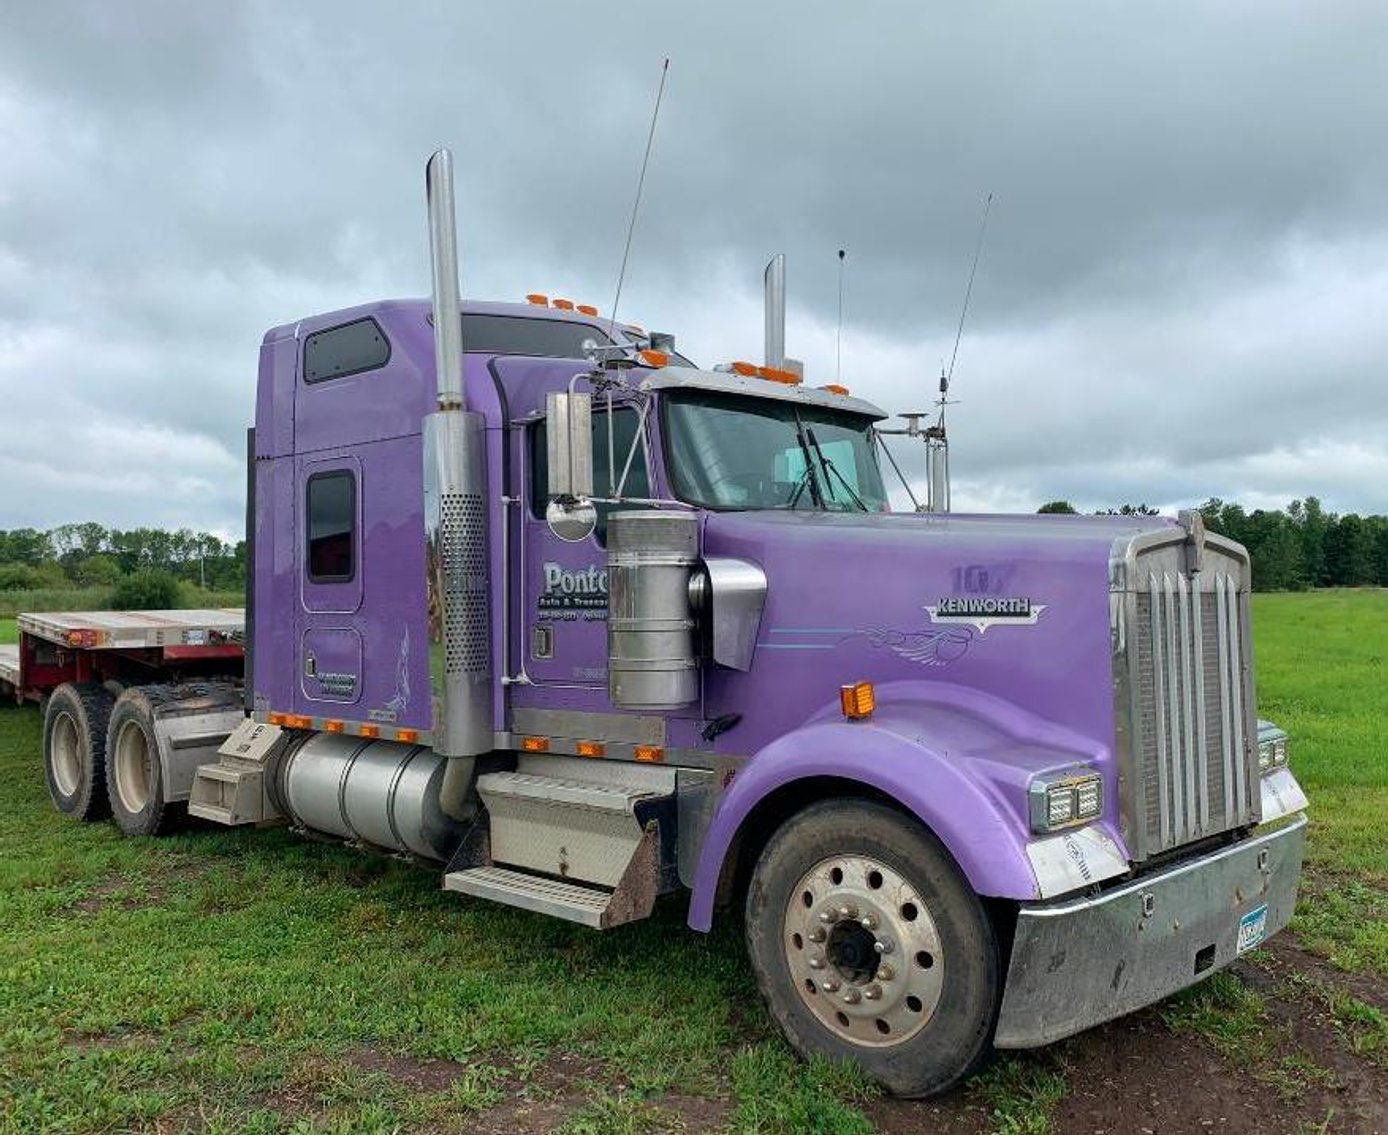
(852, 997)
(848, 912)
(816, 963)
(818, 935)
(830, 986)
(885, 972)
(873, 992)
(883, 945)
(828, 916)
(868, 922)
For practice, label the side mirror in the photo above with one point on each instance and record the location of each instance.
(569, 434)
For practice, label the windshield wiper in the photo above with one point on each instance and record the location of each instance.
(816, 493)
(830, 470)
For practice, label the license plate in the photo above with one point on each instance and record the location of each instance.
(1253, 928)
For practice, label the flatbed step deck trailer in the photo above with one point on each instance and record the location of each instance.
(66, 646)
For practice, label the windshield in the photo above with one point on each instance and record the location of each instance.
(730, 451)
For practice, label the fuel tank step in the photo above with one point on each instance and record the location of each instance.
(580, 821)
(585, 905)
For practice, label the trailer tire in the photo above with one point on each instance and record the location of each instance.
(134, 773)
(74, 749)
(870, 946)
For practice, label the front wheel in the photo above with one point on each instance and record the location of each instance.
(870, 946)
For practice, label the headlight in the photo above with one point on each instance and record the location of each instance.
(1065, 799)
(1272, 749)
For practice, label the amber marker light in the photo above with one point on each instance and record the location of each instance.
(370, 730)
(776, 374)
(592, 749)
(747, 370)
(277, 719)
(535, 744)
(651, 753)
(835, 388)
(655, 359)
(857, 701)
(332, 725)
(587, 309)
(407, 736)
(298, 721)
(539, 299)
(564, 305)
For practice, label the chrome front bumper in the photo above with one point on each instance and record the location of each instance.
(1085, 961)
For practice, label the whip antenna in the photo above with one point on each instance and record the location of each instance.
(636, 205)
(838, 345)
(964, 311)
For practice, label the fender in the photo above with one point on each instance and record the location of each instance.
(957, 759)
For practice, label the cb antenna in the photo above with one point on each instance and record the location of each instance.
(838, 344)
(636, 205)
(947, 376)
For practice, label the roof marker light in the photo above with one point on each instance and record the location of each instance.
(655, 359)
(587, 309)
(835, 388)
(778, 374)
(539, 299)
(747, 370)
(564, 305)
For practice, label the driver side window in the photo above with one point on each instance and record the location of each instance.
(638, 482)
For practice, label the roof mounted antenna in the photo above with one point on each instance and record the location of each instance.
(636, 205)
(946, 376)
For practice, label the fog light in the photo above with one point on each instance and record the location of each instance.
(1264, 756)
(1279, 751)
(1061, 800)
(1272, 747)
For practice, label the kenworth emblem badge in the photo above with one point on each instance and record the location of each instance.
(984, 612)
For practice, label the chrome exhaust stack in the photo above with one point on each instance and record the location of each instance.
(774, 281)
(455, 522)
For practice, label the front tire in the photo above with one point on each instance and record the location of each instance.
(74, 749)
(134, 773)
(870, 946)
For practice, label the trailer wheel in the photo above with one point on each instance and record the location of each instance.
(74, 749)
(134, 774)
(870, 946)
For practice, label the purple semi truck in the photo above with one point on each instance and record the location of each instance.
(537, 601)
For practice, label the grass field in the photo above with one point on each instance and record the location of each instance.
(240, 980)
(99, 599)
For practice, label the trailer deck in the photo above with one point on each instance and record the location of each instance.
(82, 646)
(136, 630)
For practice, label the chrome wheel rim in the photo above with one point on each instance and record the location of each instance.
(63, 745)
(863, 951)
(132, 767)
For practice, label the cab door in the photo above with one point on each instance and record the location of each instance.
(564, 596)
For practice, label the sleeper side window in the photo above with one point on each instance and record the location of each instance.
(332, 526)
(350, 349)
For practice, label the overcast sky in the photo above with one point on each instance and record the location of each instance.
(1183, 292)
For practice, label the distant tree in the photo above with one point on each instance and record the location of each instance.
(1349, 552)
(25, 546)
(98, 570)
(1058, 506)
(146, 591)
(1129, 510)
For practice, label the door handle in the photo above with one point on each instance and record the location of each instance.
(310, 665)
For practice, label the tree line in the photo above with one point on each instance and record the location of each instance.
(1294, 548)
(90, 555)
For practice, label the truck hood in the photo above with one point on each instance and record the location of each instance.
(1016, 607)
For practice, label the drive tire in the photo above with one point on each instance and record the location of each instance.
(923, 1011)
(74, 749)
(134, 773)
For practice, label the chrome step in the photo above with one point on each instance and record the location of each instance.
(536, 893)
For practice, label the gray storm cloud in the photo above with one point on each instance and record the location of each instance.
(1182, 293)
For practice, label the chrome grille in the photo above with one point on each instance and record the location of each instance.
(1193, 762)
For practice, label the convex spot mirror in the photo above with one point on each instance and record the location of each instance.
(571, 520)
(569, 435)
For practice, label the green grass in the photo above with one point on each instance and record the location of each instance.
(8, 631)
(99, 599)
(246, 980)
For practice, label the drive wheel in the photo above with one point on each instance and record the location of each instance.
(134, 775)
(74, 749)
(870, 946)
